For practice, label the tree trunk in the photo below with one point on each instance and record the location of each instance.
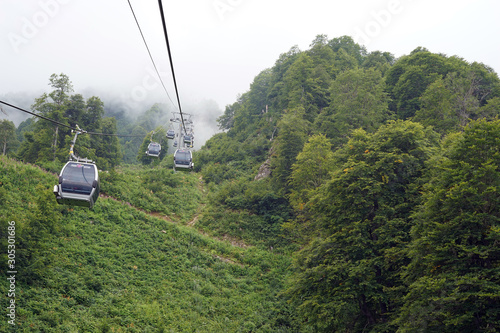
(365, 310)
(55, 142)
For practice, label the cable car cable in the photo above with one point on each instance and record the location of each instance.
(67, 126)
(111, 134)
(150, 56)
(37, 115)
(171, 62)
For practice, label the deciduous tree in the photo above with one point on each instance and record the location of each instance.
(348, 277)
(358, 101)
(292, 134)
(8, 138)
(454, 275)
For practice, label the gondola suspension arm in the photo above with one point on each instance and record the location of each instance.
(72, 155)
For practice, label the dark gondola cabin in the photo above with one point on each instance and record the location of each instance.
(187, 138)
(153, 149)
(170, 134)
(183, 160)
(78, 184)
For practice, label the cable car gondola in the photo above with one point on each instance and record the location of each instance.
(175, 143)
(78, 184)
(183, 160)
(78, 181)
(154, 149)
(187, 138)
(170, 134)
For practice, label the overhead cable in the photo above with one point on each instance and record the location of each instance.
(64, 125)
(38, 115)
(150, 56)
(171, 62)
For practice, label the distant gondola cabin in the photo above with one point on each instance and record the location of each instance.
(154, 149)
(170, 134)
(183, 160)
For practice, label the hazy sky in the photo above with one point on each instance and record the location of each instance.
(218, 46)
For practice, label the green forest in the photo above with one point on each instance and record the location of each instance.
(347, 191)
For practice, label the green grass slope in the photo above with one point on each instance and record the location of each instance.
(119, 269)
(155, 189)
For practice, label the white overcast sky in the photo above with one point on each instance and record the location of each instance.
(218, 46)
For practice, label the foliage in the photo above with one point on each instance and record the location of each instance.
(157, 189)
(311, 169)
(131, 145)
(380, 61)
(354, 216)
(108, 150)
(307, 85)
(47, 141)
(347, 44)
(454, 274)
(251, 212)
(411, 75)
(358, 101)
(292, 134)
(449, 104)
(348, 276)
(28, 201)
(8, 138)
(25, 126)
(224, 157)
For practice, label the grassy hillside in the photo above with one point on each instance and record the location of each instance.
(117, 268)
(158, 189)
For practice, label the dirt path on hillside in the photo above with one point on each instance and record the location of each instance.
(155, 214)
(199, 213)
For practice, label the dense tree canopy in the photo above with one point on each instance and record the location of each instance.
(292, 131)
(356, 175)
(350, 271)
(48, 141)
(454, 275)
(358, 101)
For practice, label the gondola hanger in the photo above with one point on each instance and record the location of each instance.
(72, 155)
